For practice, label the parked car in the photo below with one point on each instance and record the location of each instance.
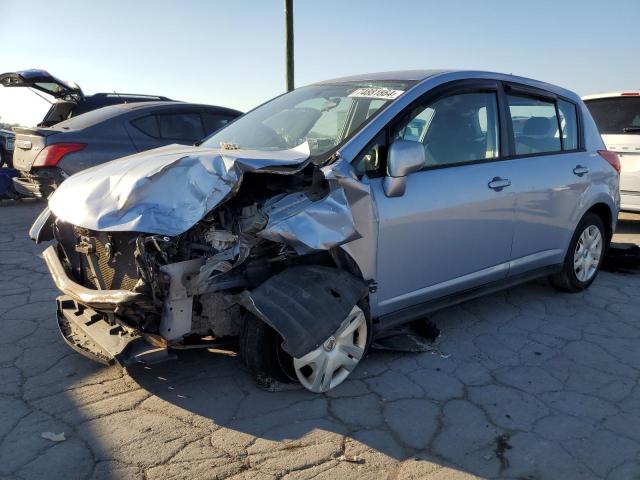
(69, 100)
(46, 156)
(6, 148)
(328, 215)
(617, 116)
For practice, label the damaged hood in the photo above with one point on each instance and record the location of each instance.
(163, 191)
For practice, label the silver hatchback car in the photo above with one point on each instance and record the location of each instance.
(329, 215)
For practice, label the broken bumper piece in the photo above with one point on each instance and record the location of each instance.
(88, 333)
(106, 300)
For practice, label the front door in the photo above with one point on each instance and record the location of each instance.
(452, 229)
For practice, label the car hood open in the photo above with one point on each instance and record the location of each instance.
(163, 191)
(40, 80)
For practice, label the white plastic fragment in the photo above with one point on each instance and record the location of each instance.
(54, 437)
(351, 458)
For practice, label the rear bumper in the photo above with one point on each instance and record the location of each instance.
(38, 184)
(629, 201)
(90, 334)
(104, 300)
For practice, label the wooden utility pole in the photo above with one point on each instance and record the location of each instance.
(288, 31)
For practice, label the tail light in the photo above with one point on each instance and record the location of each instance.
(612, 158)
(51, 155)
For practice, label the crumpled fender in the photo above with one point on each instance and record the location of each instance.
(305, 304)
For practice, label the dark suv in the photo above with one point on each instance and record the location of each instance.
(46, 156)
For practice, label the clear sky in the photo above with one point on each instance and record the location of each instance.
(232, 52)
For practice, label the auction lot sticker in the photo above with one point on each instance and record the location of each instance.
(374, 92)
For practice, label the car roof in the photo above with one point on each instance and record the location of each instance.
(626, 93)
(99, 115)
(420, 76)
(406, 75)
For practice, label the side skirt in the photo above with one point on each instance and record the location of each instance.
(415, 312)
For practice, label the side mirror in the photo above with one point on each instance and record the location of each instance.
(405, 156)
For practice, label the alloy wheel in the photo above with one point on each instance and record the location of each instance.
(586, 257)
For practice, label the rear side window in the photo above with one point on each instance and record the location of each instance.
(214, 121)
(535, 125)
(569, 124)
(147, 125)
(181, 126)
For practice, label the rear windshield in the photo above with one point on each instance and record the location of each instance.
(616, 115)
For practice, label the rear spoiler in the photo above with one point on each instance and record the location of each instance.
(42, 132)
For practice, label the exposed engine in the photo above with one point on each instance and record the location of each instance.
(218, 257)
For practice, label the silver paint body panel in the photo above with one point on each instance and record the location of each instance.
(446, 234)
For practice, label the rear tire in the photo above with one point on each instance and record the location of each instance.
(584, 256)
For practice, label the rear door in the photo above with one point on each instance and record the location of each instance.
(452, 229)
(550, 172)
(152, 130)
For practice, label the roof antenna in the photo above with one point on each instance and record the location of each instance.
(124, 100)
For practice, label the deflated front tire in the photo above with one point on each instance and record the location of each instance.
(320, 370)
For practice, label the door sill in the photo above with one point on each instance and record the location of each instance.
(418, 311)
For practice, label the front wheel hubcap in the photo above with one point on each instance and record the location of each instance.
(586, 257)
(331, 363)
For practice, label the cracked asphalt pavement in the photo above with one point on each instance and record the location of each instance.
(529, 383)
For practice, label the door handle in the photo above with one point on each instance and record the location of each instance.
(580, 170)
(498, 183)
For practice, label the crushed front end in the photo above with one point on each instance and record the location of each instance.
(130, 296)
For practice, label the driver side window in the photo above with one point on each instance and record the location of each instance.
(459, 128)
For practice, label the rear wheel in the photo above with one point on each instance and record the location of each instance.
(318, 371)
(584, 256)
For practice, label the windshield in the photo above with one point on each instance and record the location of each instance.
(323, 115)
(616, 115)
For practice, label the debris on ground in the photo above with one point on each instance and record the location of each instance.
(54, 437)
(415, 337)
(502, 445)
(351, 459)
(622, 258)
(273, 385)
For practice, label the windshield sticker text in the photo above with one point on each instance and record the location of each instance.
(372, 92)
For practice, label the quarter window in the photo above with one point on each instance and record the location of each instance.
(569, 124)
(535, 125)
(147, 125)
(456, 129)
